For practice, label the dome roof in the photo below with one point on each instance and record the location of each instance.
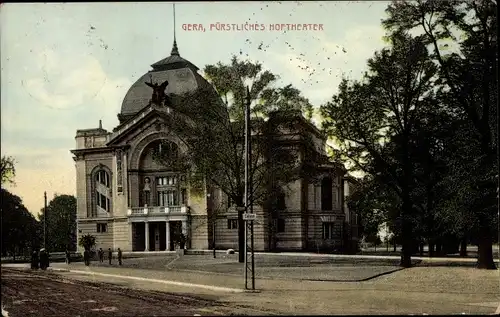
(182, 78)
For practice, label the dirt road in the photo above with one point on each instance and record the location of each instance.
(41, 293)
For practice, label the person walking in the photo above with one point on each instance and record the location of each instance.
(119, 256)
(44, 259)
(110, 255)
(86, 257)
(101, 255)
(67, 256)
(34, 260)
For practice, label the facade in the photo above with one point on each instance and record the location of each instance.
(129, 201)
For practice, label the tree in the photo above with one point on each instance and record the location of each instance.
(8, 170)
(20, 230)
(213, 137)
(374, 120)
(230, 81)
(87, 241)
(376, 204)
(462, 40)
(61, 224)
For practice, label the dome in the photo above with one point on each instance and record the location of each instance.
(182, 78)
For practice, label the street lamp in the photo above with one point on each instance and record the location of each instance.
(45, 221)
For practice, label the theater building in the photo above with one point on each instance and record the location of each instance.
(129, 201)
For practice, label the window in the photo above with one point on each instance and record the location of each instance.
(229, 202)
(102, 177)
(103, 202)
(279, 225)
(103, 190)
(281, 202)
(102, 227)
(232, 223)
(328, 230)
(167, 198)
(167, 181)
(166, 149)
(326, 194)
(184, 196)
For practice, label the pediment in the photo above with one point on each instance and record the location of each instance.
(149, 118)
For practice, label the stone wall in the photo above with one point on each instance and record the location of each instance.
(103, 240)
(199, 232)
(122, 234)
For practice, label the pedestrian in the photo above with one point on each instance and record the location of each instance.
(110, 255)
(67, 256)
(34, 260)
(44, 259)
(119, 256)
(86, 257)
(101, 255)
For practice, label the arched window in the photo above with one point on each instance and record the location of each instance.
(102, 191)
(166, 149)
(280, 201)
(326, 194)
(102, 177)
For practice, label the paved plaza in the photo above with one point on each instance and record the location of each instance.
(269, 266)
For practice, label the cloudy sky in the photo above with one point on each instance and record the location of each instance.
(66, 66)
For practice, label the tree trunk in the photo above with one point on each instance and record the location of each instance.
(438, 248)
(485, 252)
(407, 243)
(431, 249)
(395, 245)
(463, 247)
(406, 208)
(421, 248)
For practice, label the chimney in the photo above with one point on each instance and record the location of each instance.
(100, 124)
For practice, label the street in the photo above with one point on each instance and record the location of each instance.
(26, 293)
(286, 284)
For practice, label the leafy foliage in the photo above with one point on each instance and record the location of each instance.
(87, 241)
(462, 40)
(20, 230)
(230, 81)
(8, 170)
(211, 130)
(61, 223)
(374, 120)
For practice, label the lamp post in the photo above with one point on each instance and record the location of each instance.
(248, 209)
(213, 219)
(45, 221)
(498, 182)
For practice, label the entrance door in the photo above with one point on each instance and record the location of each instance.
(175, 231)
(157, 238)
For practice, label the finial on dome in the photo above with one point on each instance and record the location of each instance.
(175, 49)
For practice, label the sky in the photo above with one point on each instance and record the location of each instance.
(66, 66)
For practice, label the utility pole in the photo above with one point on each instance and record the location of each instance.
(45, 221)
(498, 181)
(249, 216)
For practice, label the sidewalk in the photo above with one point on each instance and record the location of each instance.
(358, 256)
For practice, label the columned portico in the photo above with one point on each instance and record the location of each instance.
(155, 227)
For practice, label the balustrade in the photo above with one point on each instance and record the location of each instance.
(156, 210)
